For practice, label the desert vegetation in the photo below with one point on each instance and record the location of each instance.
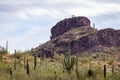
(24, 66)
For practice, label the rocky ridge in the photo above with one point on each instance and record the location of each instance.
(83, 38)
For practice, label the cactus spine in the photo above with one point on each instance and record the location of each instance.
(68, 62)
(27, 67)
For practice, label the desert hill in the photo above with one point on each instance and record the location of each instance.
(82, 37)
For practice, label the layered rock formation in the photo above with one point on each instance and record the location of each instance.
(82, 38)
(68, 24)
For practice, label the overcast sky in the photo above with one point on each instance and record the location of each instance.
(26, 23)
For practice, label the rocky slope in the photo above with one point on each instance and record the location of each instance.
(82, 37)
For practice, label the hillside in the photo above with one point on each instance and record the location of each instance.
(83, 38)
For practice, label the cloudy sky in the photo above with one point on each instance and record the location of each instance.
(26, 23)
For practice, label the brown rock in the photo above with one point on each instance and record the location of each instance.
(106, 37)
(68, 24)
(82, 37)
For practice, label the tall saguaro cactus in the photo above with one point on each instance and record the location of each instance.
(90, 71)
(7, 46)
(104, 72)
(113, 65)
(10, 71)
(24, 60)
(68, 61)
(0, 57)
(35, 62)
(27, 67)
(15, 60)
(77, 72)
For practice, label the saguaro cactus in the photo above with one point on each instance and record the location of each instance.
(0, 57)
(104, 59)
(10, 71)
(113, 65)
(15, 60)
(35, 62)
(77, 72)
(68, 61)
(24, 60)
(113, 69)
(104, 72)
(7, 46)
(90, 71)
(27, 67)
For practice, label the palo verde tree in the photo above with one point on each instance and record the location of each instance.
(68, 62)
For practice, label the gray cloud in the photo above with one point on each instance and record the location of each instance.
(76, 7)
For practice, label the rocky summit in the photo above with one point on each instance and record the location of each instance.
(82, 37)
(67, 24)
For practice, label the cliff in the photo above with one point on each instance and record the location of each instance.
(67, 24)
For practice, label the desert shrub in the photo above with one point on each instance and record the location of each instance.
(3, 50)
(110, 61)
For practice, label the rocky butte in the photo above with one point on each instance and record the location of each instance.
(82, 37)
(67, 24)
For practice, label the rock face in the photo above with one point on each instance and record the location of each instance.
(82, 38)
(68, 24)
(106, 37)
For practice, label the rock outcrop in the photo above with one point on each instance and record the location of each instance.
(106, 37)
(82, 38)
(68, 24)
